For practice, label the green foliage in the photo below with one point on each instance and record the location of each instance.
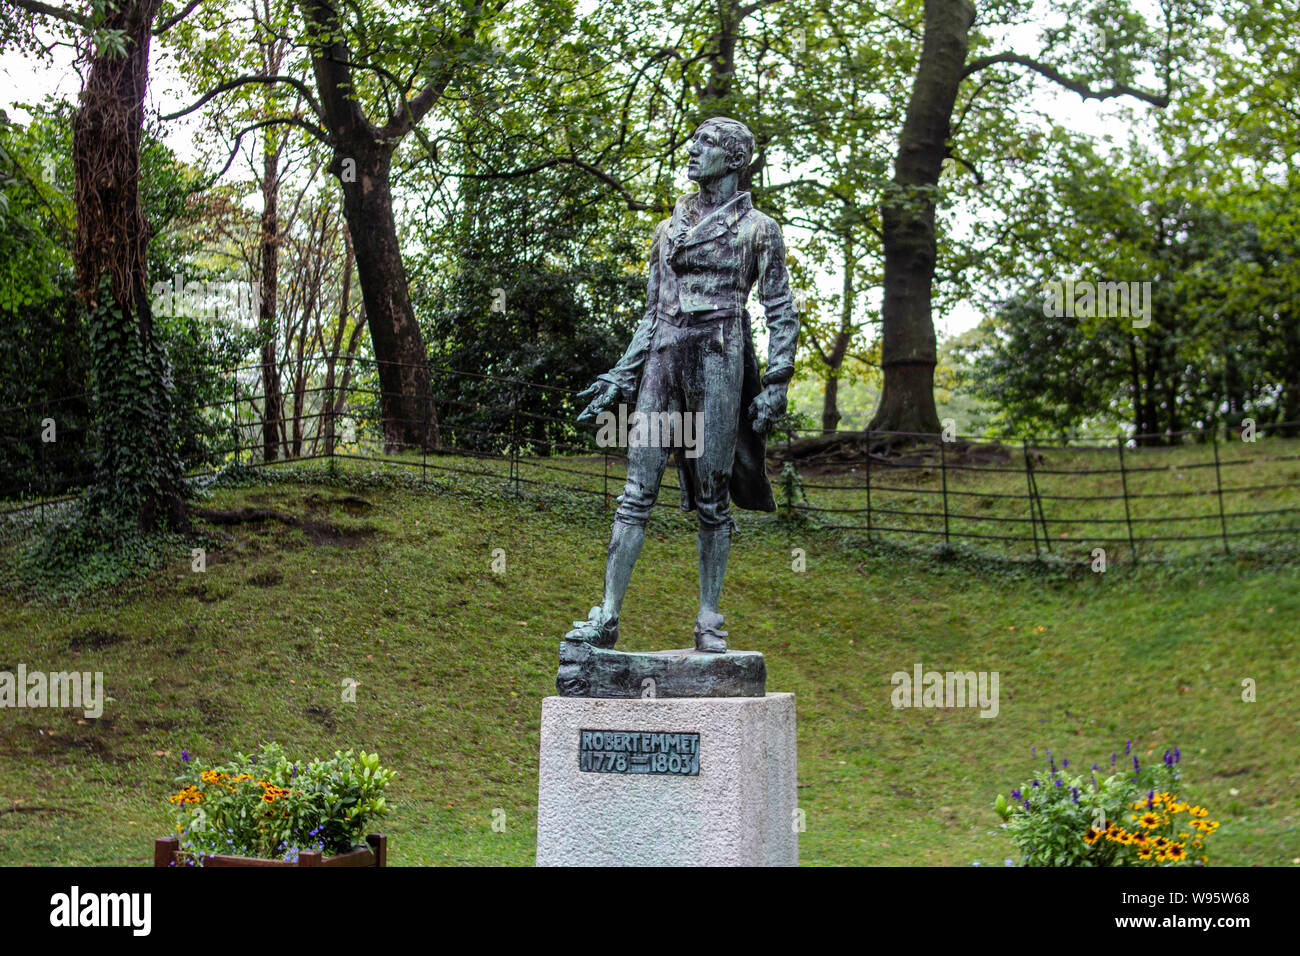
(137, 468)
(542, 288)
(77, 553)
(267, 805)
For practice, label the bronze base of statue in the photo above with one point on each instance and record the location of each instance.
(589, 671)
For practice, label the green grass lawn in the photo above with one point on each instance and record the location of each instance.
(392, 586)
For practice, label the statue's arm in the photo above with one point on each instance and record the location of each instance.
(626, 372)
(773, 285)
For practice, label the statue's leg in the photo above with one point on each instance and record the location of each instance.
(645, 470)
(715, 393)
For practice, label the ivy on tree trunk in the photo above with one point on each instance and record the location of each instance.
(138, 474)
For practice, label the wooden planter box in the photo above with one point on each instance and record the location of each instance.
(166, 851)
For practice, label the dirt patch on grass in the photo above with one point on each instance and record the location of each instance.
(94, 639)
(266, 579)
(322, 715)
(323, 532)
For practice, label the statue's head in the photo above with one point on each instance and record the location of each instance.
(720, 146)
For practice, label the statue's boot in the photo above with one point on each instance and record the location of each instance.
(596, 630)
(709, 635)
(601, 626)
(714, 546)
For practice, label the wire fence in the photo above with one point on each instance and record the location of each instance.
(1022, 498)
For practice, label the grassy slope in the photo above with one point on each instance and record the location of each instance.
(453, 661)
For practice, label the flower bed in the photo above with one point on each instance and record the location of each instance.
(1131, 817)
(264, 809)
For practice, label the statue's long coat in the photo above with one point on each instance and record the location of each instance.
(703, 270)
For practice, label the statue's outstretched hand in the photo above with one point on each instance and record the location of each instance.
(602, 394)
(767, 408)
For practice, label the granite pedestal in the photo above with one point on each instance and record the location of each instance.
(707, 781)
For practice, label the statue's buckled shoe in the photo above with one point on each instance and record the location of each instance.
(595, 631)
(709, 636)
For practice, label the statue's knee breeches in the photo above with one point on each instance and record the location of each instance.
(714, 512)
(636, 502)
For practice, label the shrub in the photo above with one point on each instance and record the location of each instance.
(1133, 817)
(266, 805)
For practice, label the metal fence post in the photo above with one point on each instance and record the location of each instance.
(514, 438)
(327, 422)
(943, 474)
(1029, 493)
(1218, 482)
(45, 476)
(1128, 516)
(235, 403)
(868, 469)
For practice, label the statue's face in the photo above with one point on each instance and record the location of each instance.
(709, 161)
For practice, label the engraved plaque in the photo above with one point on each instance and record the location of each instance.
(634, 751)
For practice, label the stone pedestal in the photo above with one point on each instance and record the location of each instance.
(706, 781)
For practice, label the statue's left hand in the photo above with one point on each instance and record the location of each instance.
(767, 408)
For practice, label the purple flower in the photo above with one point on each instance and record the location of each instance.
(295, 771)
(1151, 799)
(1065, 763)
(1033, 751)
(1016, 795)
(1094, 766)
(1094, 782)
(1058, 782)
(1026, 804)
(1128, 747)
(1177, 755)
(1035, 783)
(1169, 758)
(1008, 862)
(1112, 758)
(1136, 765)
(1074, 792)
(185, 755)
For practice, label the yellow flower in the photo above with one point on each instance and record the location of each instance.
(1199, 812)
(1175, 852)
(1092, 835)
(1144, 853)
(1150, 821)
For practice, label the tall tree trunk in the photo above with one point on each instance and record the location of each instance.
(362, 162)
(843, 336)
(830, 404)
(404, 380)
(908, 353)
(273, 397)
(139, 476)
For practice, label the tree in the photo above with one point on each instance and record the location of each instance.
(369, 59)
(138, 474)
(927, 139)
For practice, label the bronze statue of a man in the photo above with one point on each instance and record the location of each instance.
(693, 352)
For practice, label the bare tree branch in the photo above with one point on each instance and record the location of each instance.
(298, 85)
(175, 18)
(1056, 76)
(45, 10)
